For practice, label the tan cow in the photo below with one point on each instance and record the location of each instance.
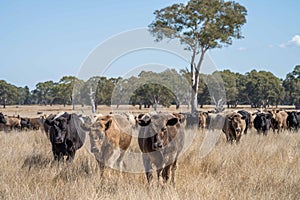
(12, 123)
(110, 137)
(202, 119)
(278, 120)
(234, 127)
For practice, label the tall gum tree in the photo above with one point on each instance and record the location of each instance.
(200, 25)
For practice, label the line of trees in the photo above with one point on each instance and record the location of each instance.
(255, 88)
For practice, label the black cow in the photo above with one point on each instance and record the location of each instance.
(25, 123)
(247, 117)
(293, 120)
(2, 119)
(66, 135)
(262, 122)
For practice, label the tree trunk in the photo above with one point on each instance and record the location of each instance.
(194, 98)
(195, 72)
(92, 100)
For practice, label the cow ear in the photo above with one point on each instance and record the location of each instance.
(85, 126)
(144, 122)
(49, 122)
(181, 118)
(140, 116)
(108, 123)
(172, 121)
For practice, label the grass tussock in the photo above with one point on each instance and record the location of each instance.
(258, 168)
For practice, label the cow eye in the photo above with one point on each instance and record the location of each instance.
(164, 129)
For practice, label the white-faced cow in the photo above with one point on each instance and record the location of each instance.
(66, 135)
(110, 137)
(161, 139)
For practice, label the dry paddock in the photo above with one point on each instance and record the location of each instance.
(260, 167)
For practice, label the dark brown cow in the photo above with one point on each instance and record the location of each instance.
(110, 137)
(234, 127)
(161, 140)
(35, 123)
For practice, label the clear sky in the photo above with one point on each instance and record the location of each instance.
(45, 40)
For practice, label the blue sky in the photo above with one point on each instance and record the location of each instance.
(45, 40)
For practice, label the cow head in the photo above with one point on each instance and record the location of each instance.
(159, 128)
(60, 126)
(2, 119)
(238, 122)
(99, 126)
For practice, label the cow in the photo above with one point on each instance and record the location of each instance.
(110, 137)
(25, 123)
(252, 117)
(262, 123)
(161, 139)
(66, 135)
(215, 121)
(192, 119)
(234, 127)
(247, 116)
(12, 122)
(35, 123)
(293, 120)
(45, 126)
(278, 120)
(2, 119)
(202, 119)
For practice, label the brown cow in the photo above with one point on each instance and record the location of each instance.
(35, 123)
(161, 139)
(234, 127)
(110, 137)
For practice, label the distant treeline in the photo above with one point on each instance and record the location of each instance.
(256, 88)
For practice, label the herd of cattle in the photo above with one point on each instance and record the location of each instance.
(160, 134)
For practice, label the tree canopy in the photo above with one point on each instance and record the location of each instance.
(200, 25)
(256, 88)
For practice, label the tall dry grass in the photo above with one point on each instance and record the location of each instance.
(258, 168)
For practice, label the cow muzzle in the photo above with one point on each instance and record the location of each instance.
(238, 129)
(157, 145)
(58, 137)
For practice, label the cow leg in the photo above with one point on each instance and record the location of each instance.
(148, 168)
(71, 155)
(160, 178)
(166, 173)
(174, 167)
(239, 135)
(158, 162)
(120, 162)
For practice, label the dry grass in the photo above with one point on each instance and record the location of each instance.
(258, 168)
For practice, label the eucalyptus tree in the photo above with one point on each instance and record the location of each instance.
(292, 87)
(200, 25)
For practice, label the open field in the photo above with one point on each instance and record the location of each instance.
(260, 167)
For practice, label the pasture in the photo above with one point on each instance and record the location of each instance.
(260, 167)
